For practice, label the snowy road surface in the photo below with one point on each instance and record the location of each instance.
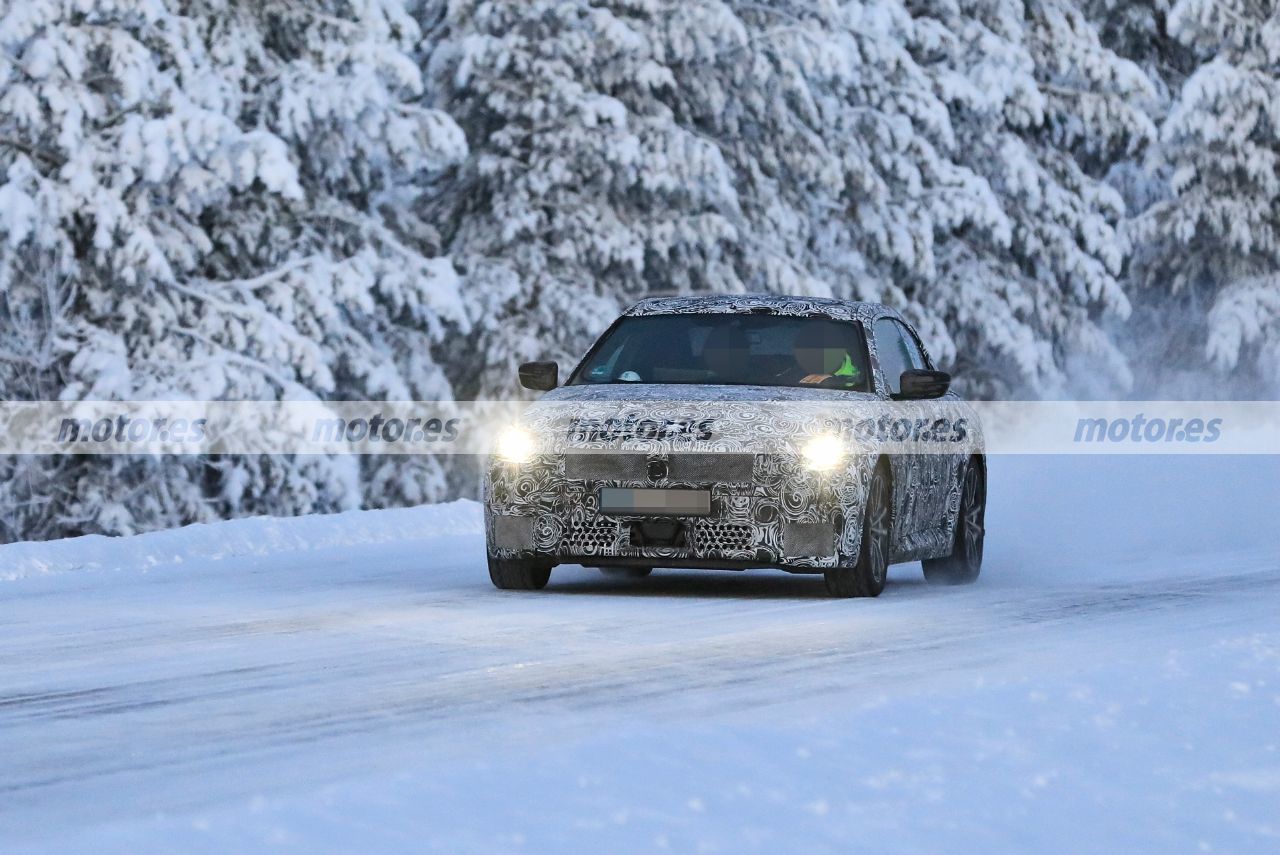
(1111, 684)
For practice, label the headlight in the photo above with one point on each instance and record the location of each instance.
(514, 445)
(823, 453)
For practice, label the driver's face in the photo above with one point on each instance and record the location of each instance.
(820, 360)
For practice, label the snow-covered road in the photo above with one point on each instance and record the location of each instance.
(1112, 683)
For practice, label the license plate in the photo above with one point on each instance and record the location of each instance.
(643, 500)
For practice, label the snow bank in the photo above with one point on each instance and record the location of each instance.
(255, 536)
(1050, 516)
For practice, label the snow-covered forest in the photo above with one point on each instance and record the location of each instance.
(402, 199)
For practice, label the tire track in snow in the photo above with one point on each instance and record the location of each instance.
(399, 688)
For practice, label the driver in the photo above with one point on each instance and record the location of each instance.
(822, 356)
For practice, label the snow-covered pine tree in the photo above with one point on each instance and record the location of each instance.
(241, 200)
(215, 199)
(625, 148)
(1208, 256)
(581, 193)
(1039, 108)
(943, 167)
(1139, 30)
(833, 137)
(918, 155)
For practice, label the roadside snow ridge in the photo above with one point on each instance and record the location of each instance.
(238, 538)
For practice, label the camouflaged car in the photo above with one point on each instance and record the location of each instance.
(737, 432)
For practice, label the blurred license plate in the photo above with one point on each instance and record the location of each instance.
(687, 503)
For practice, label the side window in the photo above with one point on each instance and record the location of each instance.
(914, 354)
(891, 348)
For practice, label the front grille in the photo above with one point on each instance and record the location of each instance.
(729, 533)
(591, 536)
(718, 537)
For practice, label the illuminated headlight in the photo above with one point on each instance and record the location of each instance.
(823, 453)
(514, 445)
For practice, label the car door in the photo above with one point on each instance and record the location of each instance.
(938, 498)
(920, 481)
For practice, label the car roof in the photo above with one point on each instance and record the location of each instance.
(721, 304)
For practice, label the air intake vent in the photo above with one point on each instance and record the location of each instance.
(719, 538)
(592, 536)
(810, 540)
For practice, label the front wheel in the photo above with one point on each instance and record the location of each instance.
(867, 577)
(964, 563)
(514, 574)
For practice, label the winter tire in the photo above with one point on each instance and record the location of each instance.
(514, 574)
(866, 578)
(964, 563)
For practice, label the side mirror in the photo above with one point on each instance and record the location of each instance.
(539, 376)
(920, 384)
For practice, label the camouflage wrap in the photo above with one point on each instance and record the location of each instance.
(743, 444)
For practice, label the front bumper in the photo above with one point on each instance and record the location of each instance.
(767, 510)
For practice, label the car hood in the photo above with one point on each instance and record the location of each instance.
(690, 392)
(670, 418)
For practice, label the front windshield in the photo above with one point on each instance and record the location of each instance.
(729, 349)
